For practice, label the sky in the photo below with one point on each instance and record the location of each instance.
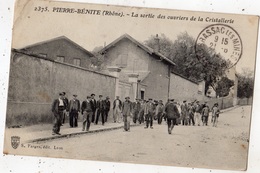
(90, 31)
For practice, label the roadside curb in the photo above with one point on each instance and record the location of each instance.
(76, 134)
(229, 109)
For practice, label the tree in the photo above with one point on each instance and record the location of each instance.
(97, 60)
(223, 86)
(203, 63)
(245, 84)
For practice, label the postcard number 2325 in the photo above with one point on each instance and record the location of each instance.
(41, 9)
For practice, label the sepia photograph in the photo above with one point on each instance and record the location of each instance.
(131, 85)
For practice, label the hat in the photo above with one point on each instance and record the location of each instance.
(172, 100)
(92, 94)
(184, 101)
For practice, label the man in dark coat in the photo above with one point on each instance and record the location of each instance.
(93, 106)
(127, 113)
(159, 111)
(172, 113)
(100, 110)
(149, 113)
(106, 107)
(58, 107)
(136, 106)
(66, 110)
(86, 110)
(74, 109)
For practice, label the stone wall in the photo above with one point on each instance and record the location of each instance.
(35, 82)
(184, 89)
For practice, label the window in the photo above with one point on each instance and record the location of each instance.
(61, 58)
(76, 61)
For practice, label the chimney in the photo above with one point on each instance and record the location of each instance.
(157, 43)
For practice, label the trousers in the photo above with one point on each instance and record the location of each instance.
(171, 122)
(86, 120)
(57, 121)
(126, 120)
(100, 112)
(74, 118)
(197, 118)
(117, 114)
(149, 119)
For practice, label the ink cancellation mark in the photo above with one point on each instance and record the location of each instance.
(224, 40)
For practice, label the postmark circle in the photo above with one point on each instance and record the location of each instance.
(224, 40)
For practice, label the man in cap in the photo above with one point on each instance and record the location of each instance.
(184, 113)
(106, 107)
(205, 114)
(100, 110)
(159, 111)
(136, 106)
(86, 110)
(66, 110)
(58, 107)
(141, 112)
(117, 107)
(149, 113)
(215, 114)
(93, 106)
(74, 109)
(197, 114)
(172, 113)
(126, 111)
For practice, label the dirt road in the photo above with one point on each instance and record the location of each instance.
(222, 147)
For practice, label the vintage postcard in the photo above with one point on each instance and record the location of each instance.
(131, 85)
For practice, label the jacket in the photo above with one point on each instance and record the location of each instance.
(86, 106)
(100, 105)
(120, 104)
(55, 106)
(171, 111)
(93, 103)
(127, 108)
(77, 105)
(106, 105)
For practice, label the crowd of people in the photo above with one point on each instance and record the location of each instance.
(140, 111)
